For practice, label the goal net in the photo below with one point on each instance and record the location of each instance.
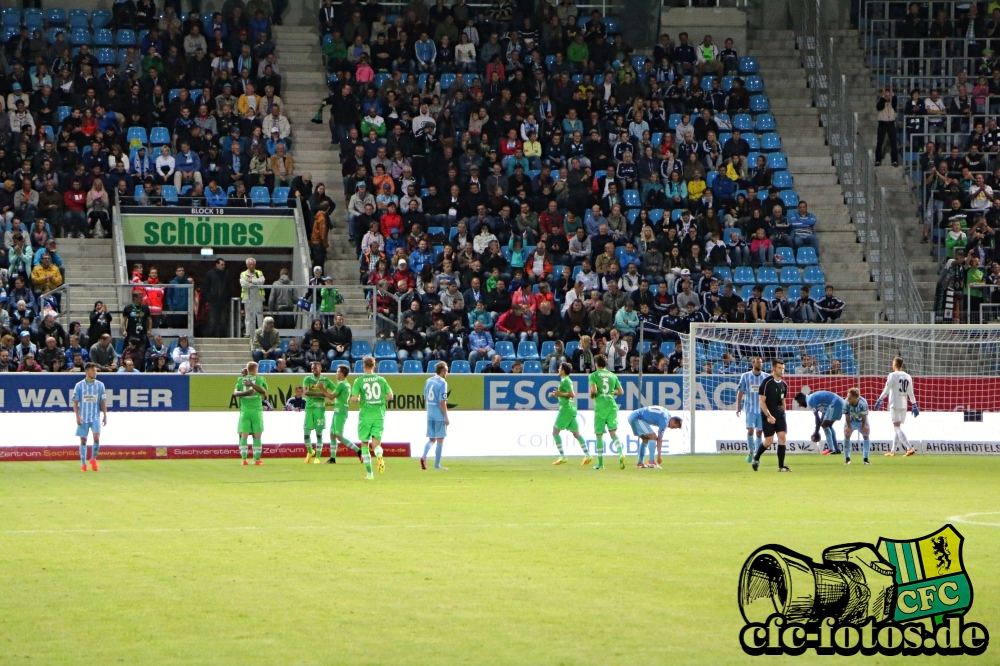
(954, 369)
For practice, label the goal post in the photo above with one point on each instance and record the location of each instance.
(954, 368)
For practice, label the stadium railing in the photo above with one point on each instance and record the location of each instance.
(296, 321)
(855, 164)
(168, 323)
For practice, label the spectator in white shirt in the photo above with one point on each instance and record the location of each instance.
(182, 352)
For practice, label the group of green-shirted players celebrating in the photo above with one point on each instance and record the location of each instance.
(370, 391)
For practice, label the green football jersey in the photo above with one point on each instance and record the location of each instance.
(607, 384)
(251, 403)
(566, 405)
(324, 383)
(374, 392)
(342, 394)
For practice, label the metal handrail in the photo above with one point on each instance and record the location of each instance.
(887, 262)
(84, 290)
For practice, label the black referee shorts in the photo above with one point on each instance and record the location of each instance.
(779, 425)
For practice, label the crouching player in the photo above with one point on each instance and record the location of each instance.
(643, 422)
(857, 419)
(828, 408)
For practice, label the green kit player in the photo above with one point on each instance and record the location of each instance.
(318, 388)
(566, 419)
(372, 392)
(604, 388)
(341, 396)
(250, 389)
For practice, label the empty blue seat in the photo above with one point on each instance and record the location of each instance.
(723, 273)
(770, 142)
(632, 199)
(765, 123)
(527, 350)
(638, 61)
(446, 81)
(743, 122)
(769, 291)
(548, 347)
(100, 18)
(806, 256)
(280, 196)
(753, 141)
(790, 275)
(260, 196)
(63, 112)
(656, 138)
(173, 94)
(532, 367)
(715, 350)
(460, 367)
(266, 365)
(843, 351)
(507, 365)
(159, 136)
(782, 180)
(571, 347)
(413, 367)
(790, 198)
(103, 37)
(11, 17)
(754, 84)
(710, 178)
(746, 292)
(381, 78)
(814, 275)
(385, 349)
(339, 362)
(387, 367)
(481, 365)
(78, 18)
(506, 349)
(106, 56)
(777, 161)
(137, 133)
(727, 83)
(744, 275)
(360, 349)
(126, 37)
(748, 65)
(55, 16)
(673, 121)
(759, 104)
(169, 193)
(767, 275)
(817, 291)
(80, 36)
(33, 19)
(784, 255)
(656, 215)
(359, 366)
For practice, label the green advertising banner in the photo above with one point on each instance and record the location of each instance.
(214, 393)
(159, 230)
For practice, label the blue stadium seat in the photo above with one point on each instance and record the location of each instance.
(9, 32)
(106, 56)
(103, 37)
(260, 196)
(748, 65)
(654, 289)
(507, 365)
(767, 275)
(80, 36)
(834, 334)
(765, 123)
(744, 275)
(785, 255)
(137, 191)
(446, 81)
(715, 350)
(710, 178)
(533, 367)
(339, 362)
(723, 273)
(656, 215)
(813, 275)
(79, 18)
(548, 347)
(413, 367)
(549, 60)
(126, 37)
(385, 349)
(11, 17)
(816, 350)
(280, 196)
(266, 365)
(100, 18)
(387, 367)
(817, 291)
(527, 350)
(673, 121)
(34, 20)
(746, 292)
(360, 349)
(727, 83)
(790, 198)
(777, 161)
(63, 112)
(571, 347)
(782, 180)
(759, 104)
(769, 291)
(743, 122)
(55, 16)
(481, 365)
(656, 138)
(754, 84)
(638, 62)
(137, 133)
(169, 193)
(460, 367)
(843, 351)
(632, 199)
(506, 349)
(770, 142)
(359, 366)
(753, 141)
(790, 275)
(159, 136)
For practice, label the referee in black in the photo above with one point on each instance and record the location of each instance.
(772, 408)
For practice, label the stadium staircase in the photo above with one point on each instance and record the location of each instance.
(811, 166)
(226, 355)
(902, 205)
(88, 261)
(303, 88)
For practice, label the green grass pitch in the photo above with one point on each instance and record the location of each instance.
(505, 561)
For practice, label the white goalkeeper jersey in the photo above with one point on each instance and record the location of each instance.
(898, 388)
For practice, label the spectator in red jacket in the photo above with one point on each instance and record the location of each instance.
(510, 326)
(75, 200)
(404, 273)
(391, 219)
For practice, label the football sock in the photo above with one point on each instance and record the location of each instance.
(781, 455)
(831, 440)
(759, 442)
(310, 450)
(750, 446)
(599, 448)
(346, 442)
(243, 448)
(760, 450)
(427, 448)
(642, 451)
(558, 440)
(903, 441)
(866, 447)
(847, 448)
(97, 447)
(437, 454)
(83, 454)
(366, 458)
(258, 448)
(583, 444)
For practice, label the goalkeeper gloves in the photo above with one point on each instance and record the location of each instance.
(916, 410)
(878, 404)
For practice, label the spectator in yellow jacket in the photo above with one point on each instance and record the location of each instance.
(46, 276)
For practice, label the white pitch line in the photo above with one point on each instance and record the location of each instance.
(964, 519)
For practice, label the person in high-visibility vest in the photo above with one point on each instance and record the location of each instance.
(252, 296)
